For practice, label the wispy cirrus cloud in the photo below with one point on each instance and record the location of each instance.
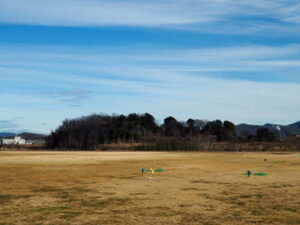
(12, 125)
(74, 77)
(69, 97)
(128, 65)
(8, 125)
(216, 16)
(250, 83)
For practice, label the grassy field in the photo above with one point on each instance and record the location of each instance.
(107, 188)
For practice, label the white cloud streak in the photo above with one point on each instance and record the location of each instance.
(127, 63)
(225, 16)
(7, 125)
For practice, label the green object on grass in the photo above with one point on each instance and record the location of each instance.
(256, 174)
(157, 170)
(278, 162)
(260, 174)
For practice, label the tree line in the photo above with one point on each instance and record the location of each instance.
(88, 132)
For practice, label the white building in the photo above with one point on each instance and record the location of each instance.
(15, 140)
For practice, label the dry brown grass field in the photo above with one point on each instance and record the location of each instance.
(108, 188)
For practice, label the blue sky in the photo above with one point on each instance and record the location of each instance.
(205, 59)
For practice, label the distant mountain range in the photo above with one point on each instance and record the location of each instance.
(6, 134)
(25, 135)
(296, 125)
(285, 130)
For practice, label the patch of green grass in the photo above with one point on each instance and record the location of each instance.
(240, 203)
(188, 218)
(245, 196)
(105, 203)
(108, 221)
(60, 208)
(189, 189)
(254, 221)
(156, 208)
(184, 205)
(56, 208)
(128, 178)
(119, 211)
(8, 198)
(191, 219)
(138, 193)
(257, 211)
(163, 213)
(94, 203)
(68, 195)
(64, 195)
(223, 183)
(202, 181)
(44, 212)
(277, 207)
(259, 196)
(3, 214)
(236, 215)
(70, 215)
(294, 164)
(46, 189)
(108, 193)
(205, 195)
(77, 190)
(225, 193)
(282, 185)
(81, 190)
(118, 201)
(291, 209)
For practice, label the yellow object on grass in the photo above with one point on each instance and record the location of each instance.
(152, 171)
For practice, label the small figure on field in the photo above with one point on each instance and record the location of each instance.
(249, 173)
(142, 170)
(265, 159)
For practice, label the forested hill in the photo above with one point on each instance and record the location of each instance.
(88, 132)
